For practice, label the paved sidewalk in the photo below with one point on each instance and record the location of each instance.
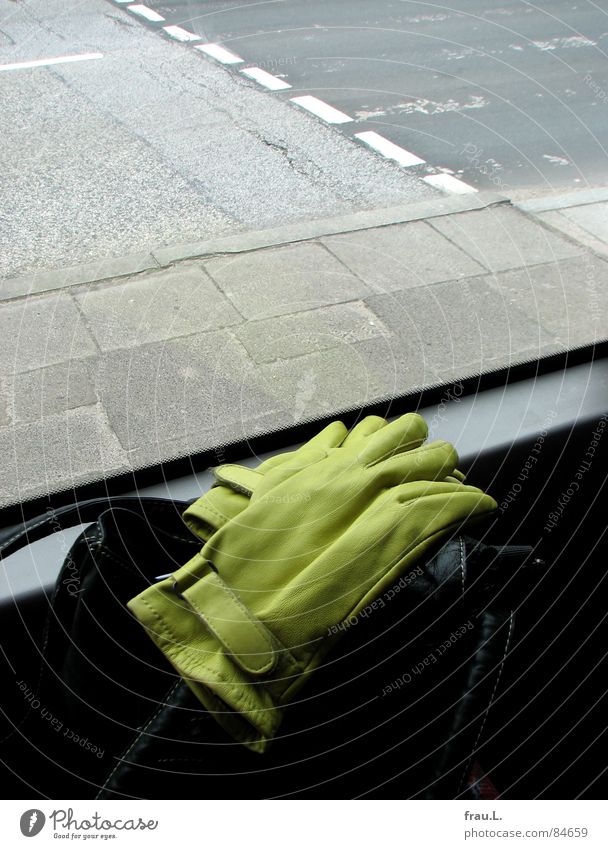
(119, 365)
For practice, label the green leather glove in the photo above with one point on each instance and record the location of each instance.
(235, 484)
(318, 547)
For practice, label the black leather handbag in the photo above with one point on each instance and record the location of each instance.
(102, 714)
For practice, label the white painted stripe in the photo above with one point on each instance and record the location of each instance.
(216, 51)
(56, 60)
(388, 149)
(449, 184)
(264, 78)
(145, 12)
(321, 109)
(181, 34)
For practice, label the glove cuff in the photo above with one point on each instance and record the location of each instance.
(234, 665)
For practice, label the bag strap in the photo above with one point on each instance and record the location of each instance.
(79, 513)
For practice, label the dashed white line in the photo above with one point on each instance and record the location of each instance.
(449, 184)
(312, 104)
(145, 12)
(388, 149)
(264, 78)
(321, 109)
(216, 51)
(181, 34)
(56, 60)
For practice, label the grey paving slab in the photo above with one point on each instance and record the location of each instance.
(184, 390)
(36, 394)
(460, 326)
(593, 218)
(305, 332)
(155, 306)
(57, 452)
(40, 331)
(401, 256)
(502, 237)
(569, 299)
(279, 281)
(348, 376)
(556, 220)
(46, 281)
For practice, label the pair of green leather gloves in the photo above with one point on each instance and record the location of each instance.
(293, 548)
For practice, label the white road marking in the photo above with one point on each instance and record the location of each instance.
(216, 51)
(145, 12)
(565, 41)
(312, 104)
(435, 107)
(39, 63)
(181, 34)
(264, 78)
(556, 160)
(575, 41)
(321, 109)
(388, 149)
(449, 184)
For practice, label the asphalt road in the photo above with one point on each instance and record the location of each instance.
(510, 96)
(144, 142)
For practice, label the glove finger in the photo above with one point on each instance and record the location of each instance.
(211, 511)
(434, 461)
(234, 484)
(239, 478)
(330, 437)
(399, 436)
(273, 462)
(423, 511)
(449, 504)
(359, 435)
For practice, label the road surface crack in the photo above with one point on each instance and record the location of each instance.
(305, 168)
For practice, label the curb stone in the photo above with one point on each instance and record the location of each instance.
(161, 257)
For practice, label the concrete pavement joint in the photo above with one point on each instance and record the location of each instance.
(553, 221)
(85, 321)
